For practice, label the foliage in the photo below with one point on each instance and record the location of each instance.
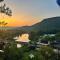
(47, 53)
(23, 53)
(57, 37)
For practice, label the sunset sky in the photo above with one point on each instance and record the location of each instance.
(29, 12)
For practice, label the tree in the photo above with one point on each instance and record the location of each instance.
(6, 11)
(1, 0)
(47, 53)
(57, 36)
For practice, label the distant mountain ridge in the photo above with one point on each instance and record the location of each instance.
(47, 25)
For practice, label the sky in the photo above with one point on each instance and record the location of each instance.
(29, 12)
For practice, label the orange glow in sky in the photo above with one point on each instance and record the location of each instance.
(18, 20)
(29, 12)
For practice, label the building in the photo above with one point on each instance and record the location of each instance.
(23, 39)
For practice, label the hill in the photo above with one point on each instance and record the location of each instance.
(49, 25)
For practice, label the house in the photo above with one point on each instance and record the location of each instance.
(43, 42)
(55, 44)
(23, 39)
